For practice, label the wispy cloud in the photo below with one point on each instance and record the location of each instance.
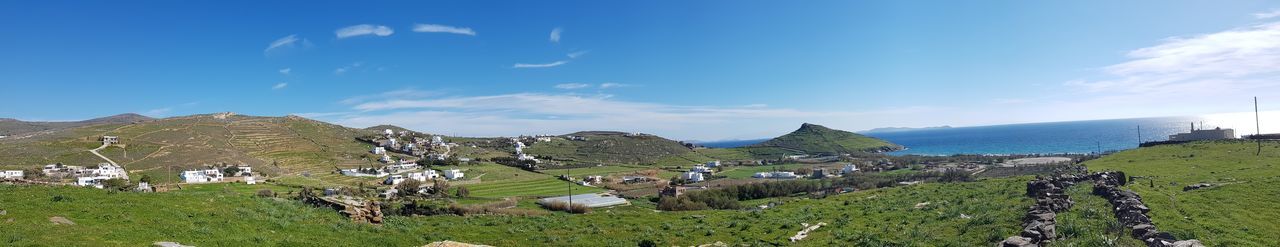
(158, 112)
(279, 86)
(577, 54)
(285, 71)
(1238, 59)
(539, 65)
(436, 28)
(407, 93)
(572, 85)
(363, 29)
(287, 41)
(1267, 15)
(555, 35)
(344, 69)
(613, 85)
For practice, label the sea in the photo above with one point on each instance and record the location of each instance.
(1091, 136)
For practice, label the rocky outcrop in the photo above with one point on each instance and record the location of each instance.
(359, 210)
(1196, 186)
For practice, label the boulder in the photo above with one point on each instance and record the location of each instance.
(1187, 243)
(169, 244)
(1196, 186)
(1016, 241)
(59, 220)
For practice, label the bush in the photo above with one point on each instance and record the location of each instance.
(463, 192)
(576, 208)
(117, 184)
(266, 193)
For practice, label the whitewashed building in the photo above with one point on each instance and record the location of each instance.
(394, 180)
(692, 176)
(453, 174)
(850, 168)
(379, 150)
(701, 169)
(1204, 134)
(714, 163)
(12, 174)
(202, 176)
(95, 181)
(110, 171)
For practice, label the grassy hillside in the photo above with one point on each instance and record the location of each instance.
(605, 147)
(961, 214)
(817, 139)
(1241, 209)
(22, 129)
(291, 146)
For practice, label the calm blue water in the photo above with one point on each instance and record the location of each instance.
(1058, 137)
(1040, 138)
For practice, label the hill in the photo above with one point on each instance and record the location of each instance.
(607, 147)
(18, 129)
(817, 139)
(291, 146)
(1238, 209)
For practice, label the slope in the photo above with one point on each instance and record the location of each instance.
(607, 147)
(817, 139)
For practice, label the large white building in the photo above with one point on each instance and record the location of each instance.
(1204, 134)
(109, 171)
(850, 168)
(379, 150)
(701, 169)
(202, 176)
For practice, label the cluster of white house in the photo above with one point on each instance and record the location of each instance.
(818, 173)
(212, 175)
(86, 176)
(520, 155)
(423, 176)
(697, 174)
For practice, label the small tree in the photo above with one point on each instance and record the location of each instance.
(440, 188)
(32, 173)
(116, 184)
(408, 187)
(230, 170)
(463, 192)
(145, 179)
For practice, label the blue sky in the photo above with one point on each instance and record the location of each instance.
(705, 70)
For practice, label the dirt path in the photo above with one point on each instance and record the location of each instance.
(95, 152)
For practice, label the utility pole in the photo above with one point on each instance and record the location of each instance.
(1139, 135)
(1257, 123)
(570, 179)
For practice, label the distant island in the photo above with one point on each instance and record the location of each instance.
(901, 129)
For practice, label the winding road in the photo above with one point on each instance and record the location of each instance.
(95, 152)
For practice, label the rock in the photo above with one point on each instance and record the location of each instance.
(1141, 231)
(1016, 241)
(59, 220)
(1187, 243)
(1196, 186)
(921, 205)
(3, 212)
(169, 244)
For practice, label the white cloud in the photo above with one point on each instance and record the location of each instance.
(572, 85)
(158, 112)
(345, 69)
(436, 28)
(555, 35)
(613, 85)
(279, 86)
(577, 54)
(363, 29)
(1267, 15)
(543, 65)
(285, 71)
(287, 41)
(1242, 60)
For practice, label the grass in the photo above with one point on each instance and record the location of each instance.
(608, 148)
(1240, 210)
(213, 216)
(816, 139)
(748, 171)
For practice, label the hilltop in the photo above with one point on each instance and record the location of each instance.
(289, 145)
(16, 129)
(607, 147)
(818, 139)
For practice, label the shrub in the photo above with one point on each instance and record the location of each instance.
(576, 208)
(266, 193)
(463, 192)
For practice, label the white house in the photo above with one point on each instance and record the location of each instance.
(775, 175)
(250, 180)
(701, 169)
(244, 171)
(437, 140)
(850, 168)
(388, 132)
(391, 142)
(692, 176)
(385, 158)
(96, 182)
(714, 163)
(408, 147)
(108, 140)
(453, 174)
(1204, 134)
(379, 150)
(424, 175)
(762, 175)
(201, 176)
(110, 171)
(12, 174)
(394, 180)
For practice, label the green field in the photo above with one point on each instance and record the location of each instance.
(210, 215)
(489, 180)
(748, 171)
(1241, 210)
